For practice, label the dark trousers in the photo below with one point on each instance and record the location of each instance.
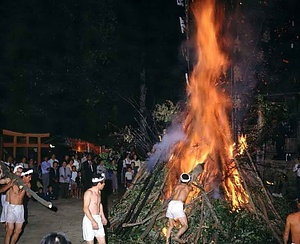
(298, 187)
(64, 190)
(45, 178)
(55, 189)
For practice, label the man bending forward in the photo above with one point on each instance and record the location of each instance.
(175, 208)
(94, 219)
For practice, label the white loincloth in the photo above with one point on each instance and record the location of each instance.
(15, 213)
(4, 208)
(175, 210)
(87, 229)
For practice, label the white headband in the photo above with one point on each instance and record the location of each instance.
(17, 167)
(96, 180)
(101, 178)
(28, 172)
(184, 177)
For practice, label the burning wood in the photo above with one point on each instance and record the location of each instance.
(242, 144)
(207, 125)
(223, 186)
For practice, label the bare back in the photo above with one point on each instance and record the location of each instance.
(293, 226)
(181, 192)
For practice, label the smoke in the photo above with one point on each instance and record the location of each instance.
(247, 56)
(161, 151)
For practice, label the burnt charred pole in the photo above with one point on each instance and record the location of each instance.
(183, 17)
(20, 183)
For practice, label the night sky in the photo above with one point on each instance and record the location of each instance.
(70, 67)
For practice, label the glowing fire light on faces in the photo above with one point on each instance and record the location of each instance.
(206, 124)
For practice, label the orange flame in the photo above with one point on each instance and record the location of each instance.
(242, 144)
(164, 231)
(207, 125)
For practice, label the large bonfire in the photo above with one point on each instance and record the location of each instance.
(206, 126)
(225, 187)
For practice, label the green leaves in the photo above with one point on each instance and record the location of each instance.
(165, 112)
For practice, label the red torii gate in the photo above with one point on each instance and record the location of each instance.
(27, 143)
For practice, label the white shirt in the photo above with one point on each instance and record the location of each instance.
(126, 162)
(73, 175)
(128, 175)
(137, 163)
(76, 164)
(51, 161)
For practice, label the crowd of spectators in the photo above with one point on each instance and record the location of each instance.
(63, 177)
(70, 176)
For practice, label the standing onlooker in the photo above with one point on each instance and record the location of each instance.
(10, 162)
(297, 171)
(137, 163)
(79, 182)
(52, 160)
(114, 181)
(126, 164)
(127, 161)
(24, 163)
(67, 158)
(54, 179)
(73, 183)
(101, 168)
(89, 169)
(132, 166)
(64, 178)
(45, 167)
(77, 162)
(128, 177)
(84, 158)
(70, 164)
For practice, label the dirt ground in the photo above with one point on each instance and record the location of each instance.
(42, 221)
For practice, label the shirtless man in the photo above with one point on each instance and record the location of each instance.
(175, 208)
(17, 171)
(94, 219)
(292, 225)
(15, 209)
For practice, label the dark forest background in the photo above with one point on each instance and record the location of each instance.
(70, 67)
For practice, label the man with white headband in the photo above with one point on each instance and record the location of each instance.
(15, 209)
(175, 208)
(94, 218)
(5, 202)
